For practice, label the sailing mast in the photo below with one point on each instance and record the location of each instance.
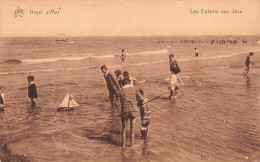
(69, 101)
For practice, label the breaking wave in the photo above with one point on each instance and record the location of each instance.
(78, 58)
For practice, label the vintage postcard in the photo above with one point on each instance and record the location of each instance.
(130, 80)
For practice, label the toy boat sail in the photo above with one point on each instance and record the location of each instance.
(68, 103)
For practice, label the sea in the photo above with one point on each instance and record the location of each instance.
(215, 117)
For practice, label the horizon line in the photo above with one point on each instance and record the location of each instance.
(134, 35)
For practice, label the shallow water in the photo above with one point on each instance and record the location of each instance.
(215, 117)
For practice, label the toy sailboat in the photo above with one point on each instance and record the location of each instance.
(68, 103)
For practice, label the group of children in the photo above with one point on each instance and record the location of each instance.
(175, 70)
(115, 86)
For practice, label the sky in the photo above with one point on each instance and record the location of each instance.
(129, 17)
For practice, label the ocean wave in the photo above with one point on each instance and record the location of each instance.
(160, 61)
(218, 68)
(47, 60)
(56, 84)
(12, 61)
(155, 52)
(119, 65)
(47, 70)
(139, 64)
(78, 58)
(163, 51)
(102, 56)
(216, 57)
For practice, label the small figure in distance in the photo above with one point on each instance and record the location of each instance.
(145, 113)
(123, 57)
(2, 99)
(248, 62)
(32, 91)
(196, 52)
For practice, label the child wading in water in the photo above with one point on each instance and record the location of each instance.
(248, 62)
(173, 81)
(145, 113)
(32, 92)
(196, 52)
(123, 57)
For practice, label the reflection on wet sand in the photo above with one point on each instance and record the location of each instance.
(248, 85)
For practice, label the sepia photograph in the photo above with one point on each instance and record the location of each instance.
(130, 81)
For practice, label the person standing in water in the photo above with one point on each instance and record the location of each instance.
(123, 57)
(32, 91)
(2, 99)
(145, 113)
(129, 110)
(173, 81)
(248, 62)
(196, 52)
(174, 67)
(112, 85)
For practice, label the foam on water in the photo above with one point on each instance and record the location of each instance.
(217, 57)
(80, 57)
(149, 52)
(47, 70)
(112, 66)
(218, 68)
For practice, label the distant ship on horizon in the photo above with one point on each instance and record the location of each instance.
(64, 40)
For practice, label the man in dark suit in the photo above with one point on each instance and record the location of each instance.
(112, 85)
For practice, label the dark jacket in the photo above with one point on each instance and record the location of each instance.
(248, 61)
(32, 92)
(119, 80)
(112, 83)
(174, 66)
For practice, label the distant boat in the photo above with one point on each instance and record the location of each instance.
(64, 40)
(68, 103)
